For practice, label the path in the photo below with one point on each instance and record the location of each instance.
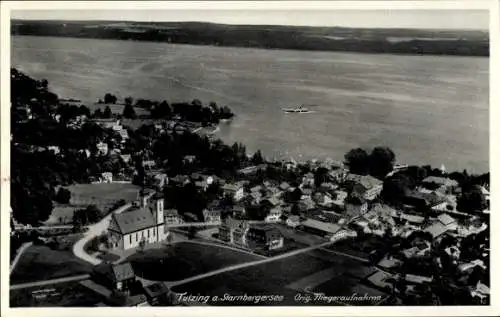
(92, 232)
(50, 282)
(23, 247)
(22, 228)
(219, 245)
(346, 255)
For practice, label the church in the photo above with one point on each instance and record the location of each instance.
(147, 223)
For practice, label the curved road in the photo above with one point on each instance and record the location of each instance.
(18, 255)
(92, 232)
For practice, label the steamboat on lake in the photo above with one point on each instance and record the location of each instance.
(299, 109)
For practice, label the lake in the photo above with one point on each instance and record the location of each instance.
(428, 109)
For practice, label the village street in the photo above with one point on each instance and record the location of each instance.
(18, 255)
(50, 282)
(92, 232)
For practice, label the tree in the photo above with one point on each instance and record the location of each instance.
(320, 176)
(129, 101)
(107, 112)
(109, 98)
(63, 196)
(358, 161)
(381, 162)
(257, 158)
(98, 113)
(396, 188)
(129, 112)
(471, 201)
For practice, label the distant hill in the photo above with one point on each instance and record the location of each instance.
(396, 41)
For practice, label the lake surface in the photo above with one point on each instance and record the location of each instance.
(428, 109)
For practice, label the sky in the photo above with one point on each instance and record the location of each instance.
(403, 18)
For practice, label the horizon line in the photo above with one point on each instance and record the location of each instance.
(250, 24)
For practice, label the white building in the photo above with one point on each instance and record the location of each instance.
(128, 229)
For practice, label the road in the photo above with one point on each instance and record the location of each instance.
(220, 245)
(50, 282)
(92, 232)
(21, 228)
(23, 247)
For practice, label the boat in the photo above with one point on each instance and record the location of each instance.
(299, 109)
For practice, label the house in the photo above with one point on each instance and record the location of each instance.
(129, 229)
(256, 189)
(417, 279)
(274, 215)
(156, 293)
(264, 237)
(148, 164)
(422, 201)
(211, 215)
(124, 135)
(471, 265)
(320, 227)
(480, 291)
(293, 221)
(239, 211)
(365, 185)
(235, 190)
(381, 280)
(284, 186)
(413, 219)
(388, 263)
(355, 206)
(443, 184)
(125, 158)
(234, 231)
(448, 221)
(107, 123)
(189, 159)
(252, 169)
(308, 180)
(306, 192)
(337, 175)
(160, 180)
(102, 148)
(55, 149)
(436, 229)
(172, 217)
(190, 217)
(107, 177)
(120, 277)
(180, 180)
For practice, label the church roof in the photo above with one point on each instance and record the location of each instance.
(135, 220)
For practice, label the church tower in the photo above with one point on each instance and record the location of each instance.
(160, 218)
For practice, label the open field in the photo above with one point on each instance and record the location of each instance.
(70, 294)
(116, 108)
(61, 214)
(183, 260)
(42, 263)
(102, 195)
(269, 278)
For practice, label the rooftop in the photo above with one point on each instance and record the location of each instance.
(134, 220)
(323, 226)
(446, 219)
(366, 181)
(440, 181)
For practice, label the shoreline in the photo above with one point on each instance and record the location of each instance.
(264, 48)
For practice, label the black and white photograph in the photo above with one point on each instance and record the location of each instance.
(206, 156)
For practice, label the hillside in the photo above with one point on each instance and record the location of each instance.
(396, 41)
